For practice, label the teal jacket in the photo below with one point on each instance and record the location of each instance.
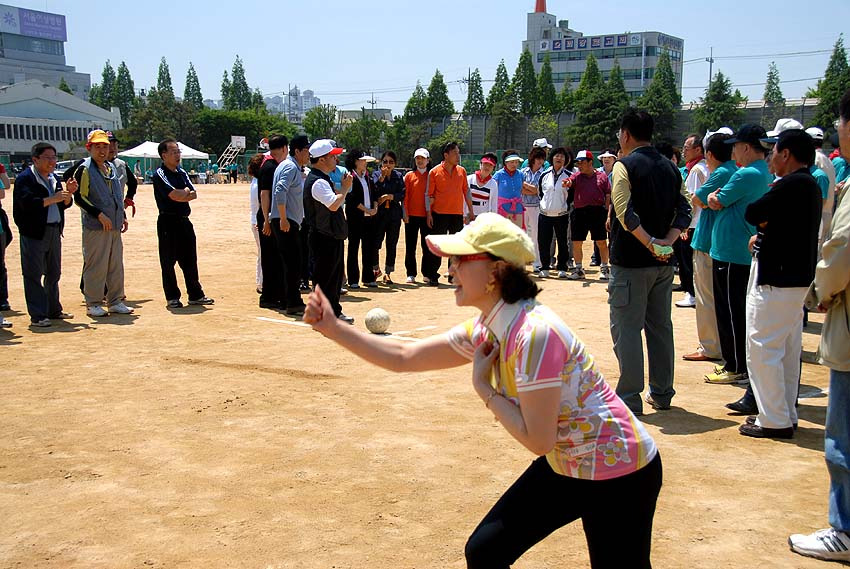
(730, 237)
(701, 240)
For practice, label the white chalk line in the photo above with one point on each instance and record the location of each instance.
(305, 325)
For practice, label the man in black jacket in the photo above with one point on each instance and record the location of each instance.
(323, 210)
(39, 212)
(785, 248)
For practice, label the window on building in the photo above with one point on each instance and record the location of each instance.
(14, 131)
(40, 133)
(29, 133)
(33, 45)
(52, 133)
(3, 130)
(546, 34)
(649, 73)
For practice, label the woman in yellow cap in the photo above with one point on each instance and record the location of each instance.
(595, 459)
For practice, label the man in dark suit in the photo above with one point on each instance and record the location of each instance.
(39, 212)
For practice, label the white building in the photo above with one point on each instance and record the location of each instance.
(296, 104)
(636, 52)
(32, 46)
(33, 112)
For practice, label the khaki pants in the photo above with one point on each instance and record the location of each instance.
(709, 342)
(103, 266)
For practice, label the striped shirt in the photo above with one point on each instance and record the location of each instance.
(598, 437)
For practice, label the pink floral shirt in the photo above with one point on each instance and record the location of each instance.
(598, 437)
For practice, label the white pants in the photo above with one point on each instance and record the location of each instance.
(709, 340)
(530, 217)
(256, 233)
(774, 346)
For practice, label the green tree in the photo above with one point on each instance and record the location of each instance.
(320, 122)
(365, 132)
(617, 102)
(107, 86)
(216, 126)
(566, 99)
(192, 91)
(456, 131)
(524, 86)
(258, 104)
(772, 91)
(438, 104)
(63, 86)
(125, 92)
(547, 96)
(598, 107)
(720, 106)
(835, 82)
(662, 99)
(499, 90)
(416, 109)
(591, 79)
(227, 93)
(240, 92)
(503, 121)
(544, 126)
(475, 104)
(163, 81)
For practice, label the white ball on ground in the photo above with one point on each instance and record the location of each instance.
(377, 321)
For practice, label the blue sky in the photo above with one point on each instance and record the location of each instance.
(343, 50)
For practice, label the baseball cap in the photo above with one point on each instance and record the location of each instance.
(541, 143)
(323, 147)
(606, 155)
(784, 124)
(111, 137)
(97, 136)
(815, 133)
(749, 133)
(423, 152)
(585, 155)
(488, 233)
(710, 133)
(513, 157)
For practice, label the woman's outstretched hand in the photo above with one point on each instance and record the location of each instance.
(319, 314)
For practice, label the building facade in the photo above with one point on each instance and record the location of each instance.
(636, 52)
(32, 112)
(32, 46)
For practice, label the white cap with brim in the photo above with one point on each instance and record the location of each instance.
(368, 158)
(782, 125)
(488, 233)
(541, 143)
(513, 158)
(423, 152)
(606, 155)
(815, 132)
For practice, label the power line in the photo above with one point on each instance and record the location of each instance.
(764, 56)
(762, 83)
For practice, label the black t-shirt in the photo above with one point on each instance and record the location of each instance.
(164, 182)
(265, 182)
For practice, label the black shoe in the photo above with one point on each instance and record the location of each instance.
(655, 404)
(203, 301)
(743, 406)
(272, 304)
(766, 433)
(295, 310)
(346, 319)
(5, 307)
(751, 420)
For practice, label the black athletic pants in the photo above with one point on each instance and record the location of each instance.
(327, 266)
(730, 307)
(177, 244)
(616, 515)
(361, 237)
(559, 225)
(273, 291)
(417, 227)
(685, 261)
(387, 228)
(289, 252)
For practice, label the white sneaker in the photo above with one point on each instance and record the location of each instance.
(120, 308)
(604, 273)
(96, 311)
(828, 544)
(543, 274)
(410, 280)
(688, 302)
(5, 323)
(562, 274)
(577, 274)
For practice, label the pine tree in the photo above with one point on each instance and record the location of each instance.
(240, 92)
(546, 93)
(258, 104)
(163, 81)
(438, 104)
(598, 108)
(125, 93)
(474, 105)
(107, 86)
(662, 99)
(835, 82)
(192, 91)
(566, 99)
(524, 85)
(499, 90)
(227, 93)
(618, 98)
(63, 86)
(416, 109)
(772, 91)
(720, 106)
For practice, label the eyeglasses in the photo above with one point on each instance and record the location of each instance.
(48, 157)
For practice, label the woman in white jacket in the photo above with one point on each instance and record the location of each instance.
(555, 202)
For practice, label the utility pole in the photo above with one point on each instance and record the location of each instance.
(372, 101)
(710, 61)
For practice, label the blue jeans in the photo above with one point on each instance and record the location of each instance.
(837, 449)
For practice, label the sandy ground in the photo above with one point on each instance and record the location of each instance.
(228, 436)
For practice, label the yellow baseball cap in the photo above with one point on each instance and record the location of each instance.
(489, 233)
(97, 136)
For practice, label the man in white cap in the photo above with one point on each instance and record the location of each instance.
(329, 228)
(823, 163)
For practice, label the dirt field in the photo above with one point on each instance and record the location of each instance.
(228, 436)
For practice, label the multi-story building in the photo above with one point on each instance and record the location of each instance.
(296, 104)
(32, 46)
(636, 52)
